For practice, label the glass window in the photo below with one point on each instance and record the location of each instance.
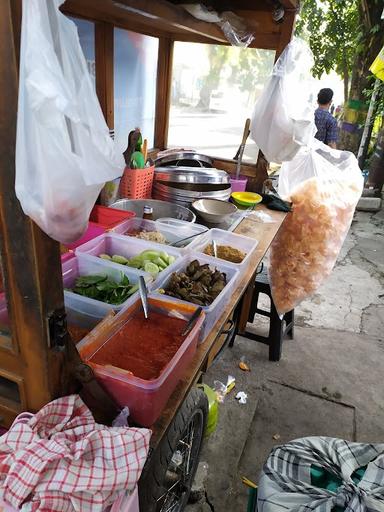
(86, 31)
(214, 89)
(135, 74)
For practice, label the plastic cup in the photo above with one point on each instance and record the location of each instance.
(239, 185)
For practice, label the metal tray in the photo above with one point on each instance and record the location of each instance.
(191, 175)
(167, 193)
(185, 158)
(194, 187)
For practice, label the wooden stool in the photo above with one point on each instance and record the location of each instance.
(278, 327)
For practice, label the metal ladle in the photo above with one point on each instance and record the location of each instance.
(177, 242)
(144, 296)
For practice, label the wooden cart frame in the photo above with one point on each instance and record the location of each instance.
(33, 366)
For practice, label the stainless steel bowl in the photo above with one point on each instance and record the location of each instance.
(160, 209)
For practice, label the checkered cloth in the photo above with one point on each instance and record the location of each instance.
(60, 460)
(326, 125)
(285, 483)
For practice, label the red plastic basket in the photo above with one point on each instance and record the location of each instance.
(137, 183)
(109, 218)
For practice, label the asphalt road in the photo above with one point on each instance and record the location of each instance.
(215, 133)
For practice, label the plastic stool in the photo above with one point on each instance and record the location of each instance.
(278, 327)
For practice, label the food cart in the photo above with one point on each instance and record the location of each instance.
(36, 363)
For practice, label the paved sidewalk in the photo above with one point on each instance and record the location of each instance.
(329, 381)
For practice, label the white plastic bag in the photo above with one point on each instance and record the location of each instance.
(324, 186)
(283, 118)
(64, 153)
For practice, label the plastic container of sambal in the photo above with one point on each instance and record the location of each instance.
(138, 361)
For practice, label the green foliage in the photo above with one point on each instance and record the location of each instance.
(252, 67)
(332, 29)
(245, 67)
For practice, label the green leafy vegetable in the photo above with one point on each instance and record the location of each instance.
(104, 288)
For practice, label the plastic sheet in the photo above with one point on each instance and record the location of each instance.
(235, 30)
(324, 186)
(200, 12)
(261, 216)
(232, 25)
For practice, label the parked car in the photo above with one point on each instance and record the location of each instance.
(218, 101)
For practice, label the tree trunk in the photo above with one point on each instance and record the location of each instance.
(371, 44)
(217, 57)
(376, 171)
(345, 79)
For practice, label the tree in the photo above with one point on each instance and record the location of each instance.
(217, 55)
(331, 27)
(250, 69)
(376, 172)
(370, 40)
(345, 35)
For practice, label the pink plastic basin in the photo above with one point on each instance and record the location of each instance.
(145, 398)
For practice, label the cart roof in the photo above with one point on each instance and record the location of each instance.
(167, 18)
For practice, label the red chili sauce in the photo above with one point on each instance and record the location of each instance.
(143, 347)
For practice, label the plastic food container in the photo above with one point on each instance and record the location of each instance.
(65, 257)
(145, 398)
(74, 318)
(174, 231)
(112, 243)
(93, 231)
(214, 310)
(82, 310)
(221, 237)
(84, 315)
(109, 218)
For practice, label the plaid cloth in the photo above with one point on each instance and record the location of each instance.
(60, 460)
(326, 125)
(285, 482)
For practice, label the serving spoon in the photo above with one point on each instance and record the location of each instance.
(177, 242)
(214, 247)
(144, 296)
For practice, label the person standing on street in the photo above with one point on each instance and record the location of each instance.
(326, 124)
